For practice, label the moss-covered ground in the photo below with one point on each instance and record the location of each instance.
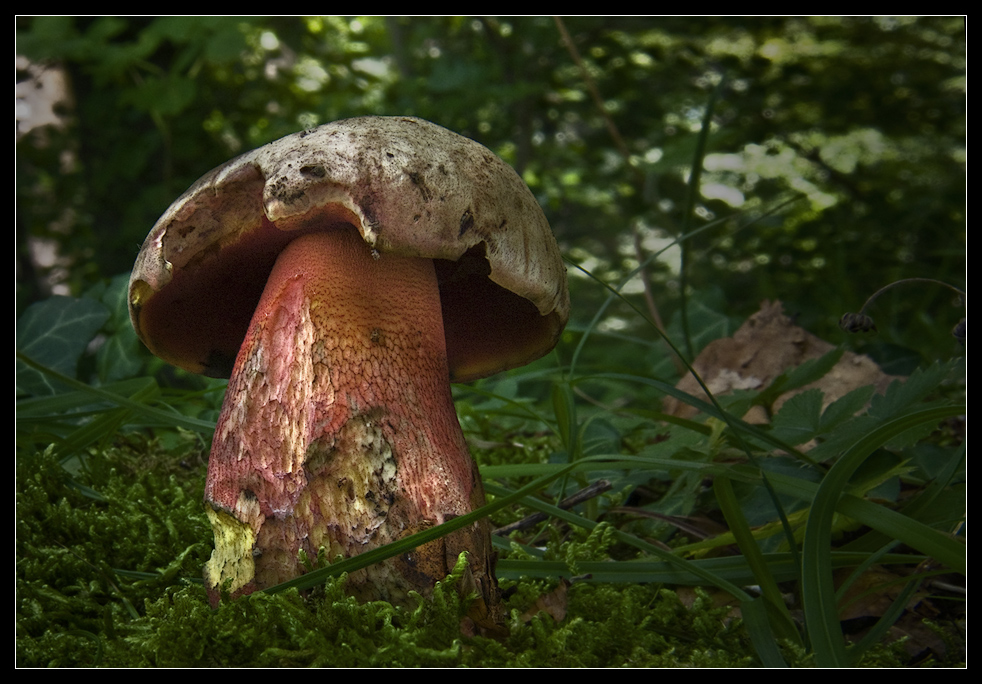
(109, 555)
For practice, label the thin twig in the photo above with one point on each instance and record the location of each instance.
(625, 153)
(592, 87)
(585, 494)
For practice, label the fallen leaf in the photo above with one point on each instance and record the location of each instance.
(765, 346)
(552, 604)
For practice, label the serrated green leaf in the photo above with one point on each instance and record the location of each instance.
(845, 407)
(799, 418)
(898, 399)
(901, 395)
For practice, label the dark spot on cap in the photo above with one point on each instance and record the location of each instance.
(466, 222)
(420, 182)
(313, 171)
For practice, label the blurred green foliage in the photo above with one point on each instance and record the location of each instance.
(830, 156)
(861, 121)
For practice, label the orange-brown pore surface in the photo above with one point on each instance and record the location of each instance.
(339, 430)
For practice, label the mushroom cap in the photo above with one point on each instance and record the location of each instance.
(410, 187)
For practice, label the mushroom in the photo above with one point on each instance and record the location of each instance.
(342, 278)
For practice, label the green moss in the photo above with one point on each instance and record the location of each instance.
(108, 568)
(92, 548)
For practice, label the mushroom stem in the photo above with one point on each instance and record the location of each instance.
(339, 430)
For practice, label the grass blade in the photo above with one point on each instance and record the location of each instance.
(780, 617)
(817, 588)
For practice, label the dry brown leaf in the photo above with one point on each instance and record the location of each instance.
(552, 604)
(765, 346)
(874, 592)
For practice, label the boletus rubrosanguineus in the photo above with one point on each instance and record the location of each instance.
(342, 278)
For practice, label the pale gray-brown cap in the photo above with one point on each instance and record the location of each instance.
(410, 187)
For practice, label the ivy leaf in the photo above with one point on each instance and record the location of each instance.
(55, 333)
(123, 355)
